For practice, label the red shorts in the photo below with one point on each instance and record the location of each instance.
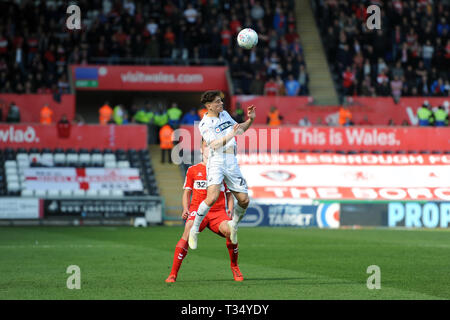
(212, 220)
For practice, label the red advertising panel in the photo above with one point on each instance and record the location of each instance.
(379, 111)
(361, 177)
(30, 106)
(294, 138)
(149, 78)
(84, 136)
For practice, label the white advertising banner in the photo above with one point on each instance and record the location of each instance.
(19, 208)
(126, 179)
(362, 177)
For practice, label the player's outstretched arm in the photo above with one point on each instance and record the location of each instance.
(251, 117)
(223, 141)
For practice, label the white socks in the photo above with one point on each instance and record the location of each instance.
(202, 210)
(238, 214)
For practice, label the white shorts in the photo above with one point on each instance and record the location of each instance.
(225, 167)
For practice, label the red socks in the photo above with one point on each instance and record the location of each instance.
(181, 250)
(233, 251)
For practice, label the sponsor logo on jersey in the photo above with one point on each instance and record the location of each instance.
(223, 126)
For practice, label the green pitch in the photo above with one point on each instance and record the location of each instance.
(277, 263)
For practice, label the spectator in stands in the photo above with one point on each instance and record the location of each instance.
(303, 80)
(396, 88)
(274, 117)
(257, 84)
(46, 115)
(367, 88)
(417, 33)
(281, 86)
(63, 127)
(166, 142)
(105, 113)
(138, 30)
(190, 117)
(345, 116)
(190, 14)
(348, 80)
(427, 54)
(79, 120)
(304, 122)
(126, 117)
(271, 88)
(438, 88)
(292, 86)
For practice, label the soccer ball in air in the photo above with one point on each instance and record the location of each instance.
(247, 38)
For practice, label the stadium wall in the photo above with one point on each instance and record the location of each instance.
(379, 110)
(30, 106)
(261, 138)
(81, 136)
(81, 211)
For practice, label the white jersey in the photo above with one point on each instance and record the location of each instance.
(212, 128)
(222, 166)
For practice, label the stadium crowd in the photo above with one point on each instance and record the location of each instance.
(36, 46)
(408, 56)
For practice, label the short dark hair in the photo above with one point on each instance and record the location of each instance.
(210, 95)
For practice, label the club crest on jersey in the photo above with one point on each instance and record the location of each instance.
(223, 126)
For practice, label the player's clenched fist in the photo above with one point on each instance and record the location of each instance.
(251, 112)
(185, 214)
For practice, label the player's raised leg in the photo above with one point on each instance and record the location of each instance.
(213, 193)
(239, 211)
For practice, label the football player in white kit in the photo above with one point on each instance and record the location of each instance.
(218, 129)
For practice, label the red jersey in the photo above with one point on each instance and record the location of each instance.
(196, 181)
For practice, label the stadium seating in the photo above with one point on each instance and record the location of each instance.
(14, 162)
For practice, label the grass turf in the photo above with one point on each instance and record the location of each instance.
(277, 263)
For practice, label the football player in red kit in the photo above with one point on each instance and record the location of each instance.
(216, 220)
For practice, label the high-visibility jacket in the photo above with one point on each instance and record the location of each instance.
(160, 119)
(440, 116)
(424, 115)
(143, 116)
(118, 115)
(174, 113)
(46, 115)
(344, 116)
(166, 137)
(274, 118)
(105, 113)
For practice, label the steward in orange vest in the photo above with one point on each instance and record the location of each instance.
(105, 113)
(46, 115)
(274, 118)
(345, 116)
(166, 142)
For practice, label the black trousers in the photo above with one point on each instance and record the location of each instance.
(163, 155)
